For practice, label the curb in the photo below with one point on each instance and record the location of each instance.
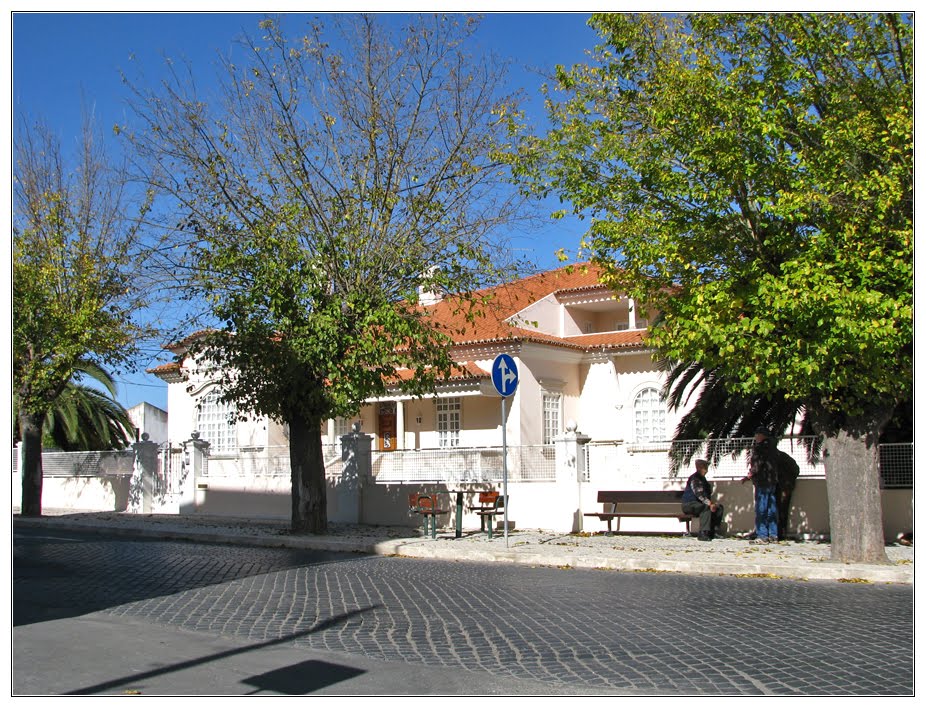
(424, 548)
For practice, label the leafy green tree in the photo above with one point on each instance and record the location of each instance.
(77, 241)
(751, 177)
(334, 178)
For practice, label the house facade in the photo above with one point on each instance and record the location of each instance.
(581, 356)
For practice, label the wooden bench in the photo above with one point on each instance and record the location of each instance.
(426, 506)
(649, 504)
(491, 504)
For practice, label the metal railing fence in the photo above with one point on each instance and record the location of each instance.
(526, 463)
(88, 464)
(272, 461)
(729, 458)
(896, 465)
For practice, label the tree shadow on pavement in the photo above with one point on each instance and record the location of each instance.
(298, 679)
(59, 574)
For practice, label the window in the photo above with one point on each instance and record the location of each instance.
(552, 407)
(216, 424)
(649, 416)
(342, 426)
(448, 422)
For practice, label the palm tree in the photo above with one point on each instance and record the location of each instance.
(85, 417)
(719, 415)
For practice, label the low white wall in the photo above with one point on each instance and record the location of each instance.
(556, 506)
(80, 493)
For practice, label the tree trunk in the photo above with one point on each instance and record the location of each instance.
(309, 493)
(30, 430)
(853, 484)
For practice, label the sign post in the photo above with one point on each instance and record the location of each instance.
(505, 380)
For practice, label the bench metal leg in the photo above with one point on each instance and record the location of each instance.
(490, 522)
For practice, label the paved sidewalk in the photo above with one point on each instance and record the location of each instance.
(808, 560)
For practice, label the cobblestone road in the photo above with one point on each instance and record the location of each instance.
(639, 632)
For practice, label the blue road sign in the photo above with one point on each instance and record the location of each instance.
(504, 375)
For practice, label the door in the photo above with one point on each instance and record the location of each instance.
(387, 426)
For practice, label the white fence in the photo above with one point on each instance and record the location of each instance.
(87, 464)
(526, 463)
(550, 485)
(270, 461)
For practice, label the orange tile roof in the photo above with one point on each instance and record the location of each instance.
(488, 322)
(624, 338)
(505, 301)
(460, 371)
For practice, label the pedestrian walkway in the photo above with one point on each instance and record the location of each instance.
(807, 560)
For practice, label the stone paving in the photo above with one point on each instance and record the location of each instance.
(807, 560)
(646, 633)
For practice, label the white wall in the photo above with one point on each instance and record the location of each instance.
(151, 420)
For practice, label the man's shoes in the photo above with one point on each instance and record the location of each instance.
(759, 541)
(704, 537)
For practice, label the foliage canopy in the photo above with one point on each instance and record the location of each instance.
(335, 178)
(750, 176)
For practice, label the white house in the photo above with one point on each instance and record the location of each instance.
(584, 369)
(580, 352)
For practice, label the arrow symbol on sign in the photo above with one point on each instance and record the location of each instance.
(507, 374)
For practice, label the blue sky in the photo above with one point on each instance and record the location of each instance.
(63, 62)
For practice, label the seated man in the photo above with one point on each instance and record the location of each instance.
(696, 500)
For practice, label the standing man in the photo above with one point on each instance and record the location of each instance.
(696, 500)
(763, 471)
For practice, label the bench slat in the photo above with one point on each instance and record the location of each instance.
(648, 496)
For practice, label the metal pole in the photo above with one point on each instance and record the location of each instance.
(505, 469)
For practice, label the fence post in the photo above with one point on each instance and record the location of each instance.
(570, 467)
(141, 488)
(356, 455)
(195, 453)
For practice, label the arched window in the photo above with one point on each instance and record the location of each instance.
(649, 416)
(216, 425)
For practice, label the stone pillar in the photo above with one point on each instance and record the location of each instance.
(356, 454)
(570, 468)
(195, 456)
(141, 488)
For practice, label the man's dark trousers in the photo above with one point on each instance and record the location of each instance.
(709, 521)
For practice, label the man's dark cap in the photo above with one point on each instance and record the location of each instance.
(762, 430)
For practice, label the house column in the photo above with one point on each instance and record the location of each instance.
(570, 468)
(400, 425)
(631, 313)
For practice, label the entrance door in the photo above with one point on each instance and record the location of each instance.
(387, 427)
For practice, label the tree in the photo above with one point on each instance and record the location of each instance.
(84, 417)
(336, 176)
(750, 176)
(77, 240)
